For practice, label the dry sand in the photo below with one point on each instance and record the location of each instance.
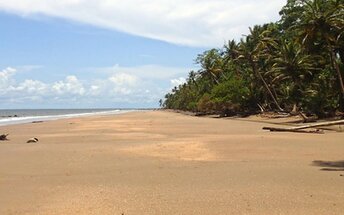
(167, 163)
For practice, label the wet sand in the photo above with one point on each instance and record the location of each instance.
(158, 162)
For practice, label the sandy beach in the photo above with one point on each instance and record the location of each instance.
(157, 162)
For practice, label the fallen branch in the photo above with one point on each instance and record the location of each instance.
(261, 108)
(306, 119)
(3, 137)
(300, 128)
(313, 131)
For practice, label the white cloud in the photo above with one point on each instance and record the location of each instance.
(139, 83)
(123, 79)
(188, 22)
(5, 78)
(121, 85)
(70, 85)
(177, 81)
(151, 72)
(32, 87)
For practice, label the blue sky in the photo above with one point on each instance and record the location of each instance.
(88, 53)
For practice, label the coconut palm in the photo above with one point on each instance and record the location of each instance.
(293, 66)
(212, 65)
(249, 50)
(322, 26)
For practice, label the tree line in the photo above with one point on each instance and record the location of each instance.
(292, 65)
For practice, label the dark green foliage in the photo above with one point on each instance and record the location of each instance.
(232, 94)
(291, 65)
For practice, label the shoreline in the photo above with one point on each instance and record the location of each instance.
(158, 162)
(15, 120)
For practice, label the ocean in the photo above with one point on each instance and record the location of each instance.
(19, 116)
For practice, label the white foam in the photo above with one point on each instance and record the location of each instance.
(29, 119)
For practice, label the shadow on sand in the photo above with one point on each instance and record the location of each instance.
(330, 165)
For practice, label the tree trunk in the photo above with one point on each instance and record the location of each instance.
(340, 78)
(314, 125)
(255, 71)
(261, 108)
(214, 78)
(295, 109)
(341, 55)
(272, 129)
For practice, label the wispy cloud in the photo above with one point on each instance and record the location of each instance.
(187, 22)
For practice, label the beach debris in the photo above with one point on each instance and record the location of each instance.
(37, 122)
(3, 137)
(307, 119)
(9, 116)
(32, 140)
(312, 131)
(300, 129)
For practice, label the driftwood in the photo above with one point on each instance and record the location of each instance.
(32, 140)
(37, 122)
(3, 137)
(306, 119)
(300, 128)
(261, 108)
(313, 131)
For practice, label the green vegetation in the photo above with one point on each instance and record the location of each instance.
(295, 64)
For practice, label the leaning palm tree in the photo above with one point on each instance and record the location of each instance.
(249, 51)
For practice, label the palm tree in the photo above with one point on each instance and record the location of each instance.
(322, 24)
(291, 65)
(230, 52)
(249, 50)
(212, 65)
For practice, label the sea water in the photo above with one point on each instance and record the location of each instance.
(19, 116)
